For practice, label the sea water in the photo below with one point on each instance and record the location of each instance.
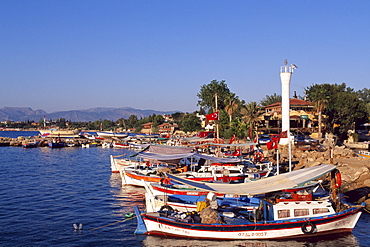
(44, 191)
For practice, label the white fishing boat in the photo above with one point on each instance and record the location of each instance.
(55, 133)
(111, 134)
(272, 219)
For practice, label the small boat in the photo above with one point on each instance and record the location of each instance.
(120, 145)
(89, 144)
(111, 134)
(32, 144)
(90, 136)
(363, 153)
(286, 218)
(57, 144)
(60, 133)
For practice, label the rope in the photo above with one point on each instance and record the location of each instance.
(112, 223)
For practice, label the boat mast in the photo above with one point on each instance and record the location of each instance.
(217, 131)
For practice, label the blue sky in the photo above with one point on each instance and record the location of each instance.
(145, 54)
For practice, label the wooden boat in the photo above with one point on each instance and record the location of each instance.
(89, 144)
(57, 144)
(271, 227)
(298, 217)
(32, 144)
(111, 134)
(363, 153)
(60, 133)
(120, 145)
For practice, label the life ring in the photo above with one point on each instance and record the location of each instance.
(166, 208)
(226, 172)
(258, 156)
(308, 228)
(338, 180)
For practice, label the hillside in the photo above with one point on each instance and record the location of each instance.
(92, 114)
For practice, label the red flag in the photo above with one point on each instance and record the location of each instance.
(212, 116)
(275, 141)
(284, 134)
(272, 144)
(269, 145)
(232, 139)
(237, 152)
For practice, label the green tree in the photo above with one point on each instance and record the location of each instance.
(318, 94)
(131, 121)
(251, 116)
(190, 123)
(343, 106)
(270, 99)
(208, 93)
(232, 105)
(364, 95)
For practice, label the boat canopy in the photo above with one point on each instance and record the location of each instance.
(236, 144)
(210, 141)
(276, 183)
(163, 149)
(177, 157)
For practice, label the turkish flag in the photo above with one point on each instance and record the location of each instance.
(284, 134)
(272, 144)
(212, 116)
(269, 145)
(232, 139)
(275, 142)
(237, 152)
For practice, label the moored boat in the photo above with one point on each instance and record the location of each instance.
(60, 133)
(363, 153)
(31, 144)
(286, 218)
(111, 134)
(57, 144)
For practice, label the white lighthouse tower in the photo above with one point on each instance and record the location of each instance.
(286, 72)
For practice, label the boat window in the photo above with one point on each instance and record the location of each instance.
(320, 210)
(283, 213)
(301, 212)
(234, 171)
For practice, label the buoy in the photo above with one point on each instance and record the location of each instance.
(129, 215)
(338, 180)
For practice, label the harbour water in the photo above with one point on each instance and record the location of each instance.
(44, 191)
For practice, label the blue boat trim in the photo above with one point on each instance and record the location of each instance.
(141, 228)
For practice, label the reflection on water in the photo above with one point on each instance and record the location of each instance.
(152, 241)
(126, 197)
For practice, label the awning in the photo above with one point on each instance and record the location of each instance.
(172, 158)
(265, 185)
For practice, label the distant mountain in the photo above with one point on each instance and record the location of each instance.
(92, 114)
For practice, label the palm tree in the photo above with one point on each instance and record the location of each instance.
(231, 106)
(318, 94)
(252, 112)
(320, 106)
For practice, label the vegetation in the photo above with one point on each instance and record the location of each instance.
(341, 106)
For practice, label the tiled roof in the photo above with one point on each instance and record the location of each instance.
(293, 101)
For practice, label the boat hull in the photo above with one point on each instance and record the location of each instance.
(57, 144)
(333, 224)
